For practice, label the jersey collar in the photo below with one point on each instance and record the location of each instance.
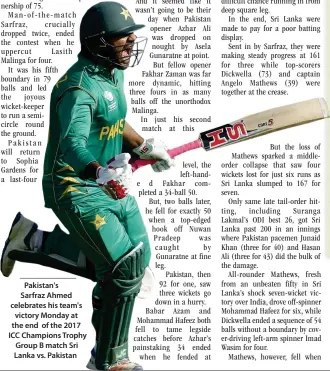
(97, 72)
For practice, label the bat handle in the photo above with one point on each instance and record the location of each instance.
(137, 164)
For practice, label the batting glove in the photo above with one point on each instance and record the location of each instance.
(116, 179)
(151, 149)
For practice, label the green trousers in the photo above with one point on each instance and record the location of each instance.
(102, 228)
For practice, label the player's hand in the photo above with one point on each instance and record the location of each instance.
(151, 149)
(116, 179)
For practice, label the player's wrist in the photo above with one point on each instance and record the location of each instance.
(144, 148)
(90, 171)
(138, 142)
(98, 171)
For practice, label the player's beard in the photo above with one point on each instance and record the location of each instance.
(120, 57)
(123, 57)
(116, 57)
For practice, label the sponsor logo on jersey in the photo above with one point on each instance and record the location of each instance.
(109, 132)
(113, 104)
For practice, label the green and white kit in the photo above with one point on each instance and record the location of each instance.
(87, 118)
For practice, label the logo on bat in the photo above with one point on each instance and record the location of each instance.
(267, 123)
(223, 135)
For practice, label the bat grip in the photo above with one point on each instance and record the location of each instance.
(137, 164)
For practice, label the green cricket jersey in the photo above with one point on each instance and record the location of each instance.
(87, 118)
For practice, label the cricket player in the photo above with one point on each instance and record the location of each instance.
(107, 239)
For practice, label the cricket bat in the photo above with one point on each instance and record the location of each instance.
(252, 126)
